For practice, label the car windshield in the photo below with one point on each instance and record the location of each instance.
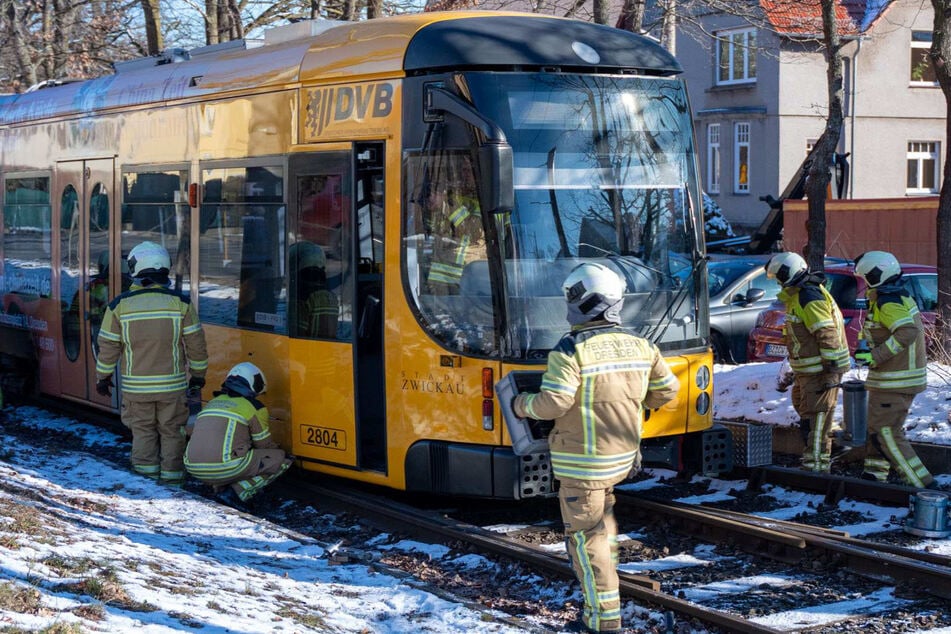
(722, 274)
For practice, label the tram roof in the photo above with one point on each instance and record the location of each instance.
(332, 52)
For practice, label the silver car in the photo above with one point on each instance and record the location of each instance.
(739, 290)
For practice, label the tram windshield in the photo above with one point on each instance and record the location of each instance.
(604, 172)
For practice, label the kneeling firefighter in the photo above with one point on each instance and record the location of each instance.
(231, 443)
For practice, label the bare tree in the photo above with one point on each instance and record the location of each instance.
(153, 26)
(940, 56)
(822, 156)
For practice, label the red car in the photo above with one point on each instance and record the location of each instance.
(766, 341)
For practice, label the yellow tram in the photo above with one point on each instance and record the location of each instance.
(308, 189)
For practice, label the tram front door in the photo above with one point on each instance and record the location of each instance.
(87, 282)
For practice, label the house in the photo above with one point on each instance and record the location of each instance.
(759, 96)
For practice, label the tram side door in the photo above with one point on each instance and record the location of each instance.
(335, 305)
(87, 281)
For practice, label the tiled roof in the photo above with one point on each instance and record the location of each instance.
(804, 17)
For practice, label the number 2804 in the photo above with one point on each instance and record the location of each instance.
(326, 437)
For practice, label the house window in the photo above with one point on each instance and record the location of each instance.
(713, 158)
(922, 167)
(922, 71)
(736, 56)
(741, 158)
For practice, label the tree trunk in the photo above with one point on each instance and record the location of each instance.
(632, 16)
(817, 183)
(153, 26)
(600, 8)
(211, 22)
(940, 54)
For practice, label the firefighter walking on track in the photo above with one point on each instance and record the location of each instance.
(898, 369)
(153, 335)
(599, 379)
(818, 353)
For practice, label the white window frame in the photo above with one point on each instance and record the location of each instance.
(737, 49)
(923, 157)
(920, 40)
(713, 158)
(741, 169)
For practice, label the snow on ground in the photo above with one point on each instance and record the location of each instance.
(748, 392)
(165, 560)
(96, 547)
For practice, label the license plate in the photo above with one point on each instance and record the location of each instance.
(775, 350)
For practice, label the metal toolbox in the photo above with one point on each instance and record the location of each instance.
(752, 443)
(529, 436)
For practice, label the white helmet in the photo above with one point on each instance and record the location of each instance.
(306, 255)
(148, 257)
(246, 379)
(788, 268)
(592, 289)
(877, 267)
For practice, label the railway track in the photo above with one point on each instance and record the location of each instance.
(779, 552)
(770, 540)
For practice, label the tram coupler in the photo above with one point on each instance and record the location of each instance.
(929, 514)
(854, 413)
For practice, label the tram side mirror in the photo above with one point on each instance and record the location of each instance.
(496, 189)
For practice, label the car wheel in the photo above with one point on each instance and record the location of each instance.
(721, 351)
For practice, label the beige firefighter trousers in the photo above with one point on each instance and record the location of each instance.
(887, 445)
(814, 396)
(591, 540)
(158, 436)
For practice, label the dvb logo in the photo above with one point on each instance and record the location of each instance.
(347, 103)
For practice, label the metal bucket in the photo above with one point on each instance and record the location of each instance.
(928, 515)
(854, 412)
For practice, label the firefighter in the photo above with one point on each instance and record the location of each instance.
(898, 369)
(231, 443)
(318, 309)
(599, 378)
(459, 238)
(818, 353)
(145, 331)
(156, 334)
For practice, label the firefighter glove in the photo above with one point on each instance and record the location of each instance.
(863, 358)
(104, 386)
(196, 383)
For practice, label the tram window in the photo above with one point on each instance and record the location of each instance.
(26, 239)
(155, 209)
(444, 243)
(241, 248)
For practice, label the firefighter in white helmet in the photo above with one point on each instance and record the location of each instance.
(155, 332)
(818, 353)
(600, 377)
(231, 447)
(898, 369)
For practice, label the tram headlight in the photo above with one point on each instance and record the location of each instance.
(703, 377)
(703, 403)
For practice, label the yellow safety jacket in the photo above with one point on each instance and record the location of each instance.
(599, 378)
(225, 432)
(814, 330)
(895, 334)
(453, 251)
(153, 334)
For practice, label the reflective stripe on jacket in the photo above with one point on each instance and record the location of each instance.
(152, 333)
(226, 430)
(814, 330)
(599, 379)
(896, 336)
